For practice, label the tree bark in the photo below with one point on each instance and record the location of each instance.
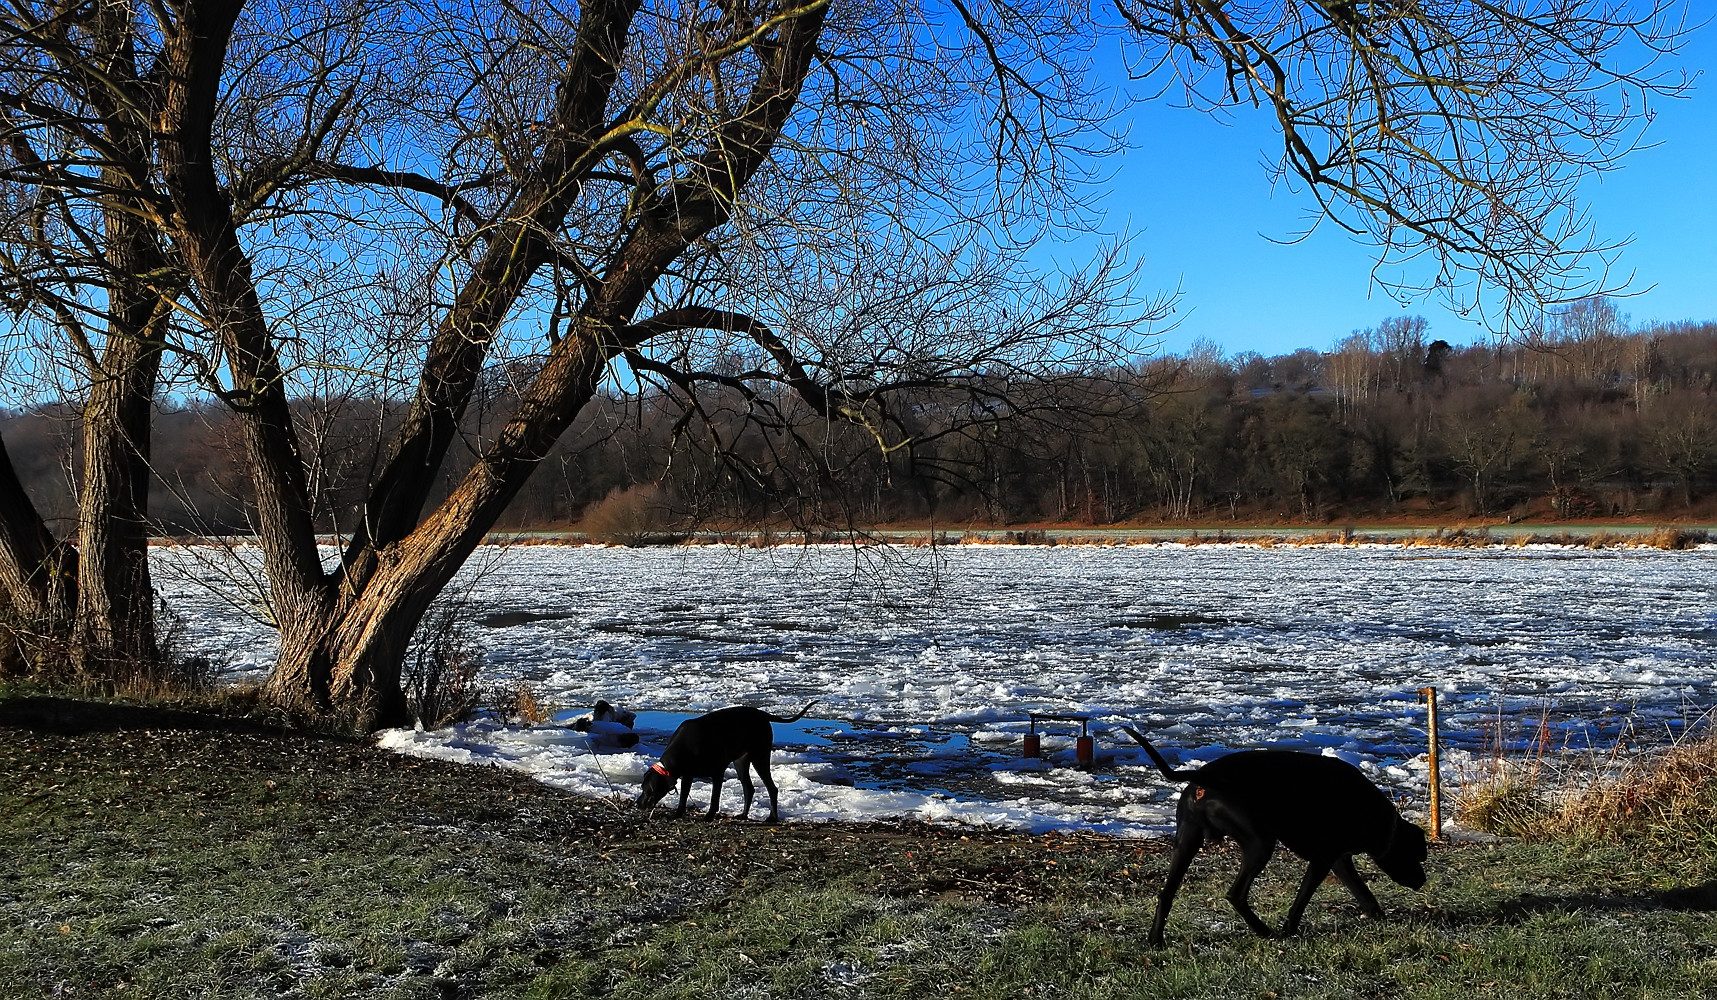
(38, 573)
(116, 600)
(115, 613)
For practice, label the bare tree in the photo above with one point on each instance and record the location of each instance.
(1681, 431)
(416, 193)
(1457, 131)
(91, 292)
(1482, 428)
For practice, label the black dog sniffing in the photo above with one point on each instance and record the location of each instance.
(1321, 808)
(701, 748)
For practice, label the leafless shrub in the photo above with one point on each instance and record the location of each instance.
(175, 668)
(13, 660)
(633, 515)
(170, 673)
(25, 652)
(441, 674)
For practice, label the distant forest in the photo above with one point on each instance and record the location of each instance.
(1591, 420)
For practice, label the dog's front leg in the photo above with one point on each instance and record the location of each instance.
(715, 794)
(685, 793)
(1344, 870)
(1316, 871)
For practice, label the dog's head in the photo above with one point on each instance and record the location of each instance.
(657, 782)
(1404, 858)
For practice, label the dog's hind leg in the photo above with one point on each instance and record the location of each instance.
(1316, 871)
(1349, 877)
(762, 765)
(743, 766)
(1186, 844)
(1254, 855)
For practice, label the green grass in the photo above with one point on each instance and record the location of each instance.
(157, 852)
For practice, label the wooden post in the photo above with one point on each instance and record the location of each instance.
(1428, 695)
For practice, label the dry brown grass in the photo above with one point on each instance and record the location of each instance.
(1667, 797)
(1507, 802)
(1673, 539)
(1664, 799)
(1667, 537)
(518, 702)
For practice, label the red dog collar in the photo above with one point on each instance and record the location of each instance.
(659, 769)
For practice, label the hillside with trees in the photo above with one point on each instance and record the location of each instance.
(1588, 420)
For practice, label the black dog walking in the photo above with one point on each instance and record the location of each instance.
(1323, 809)
(701, 748)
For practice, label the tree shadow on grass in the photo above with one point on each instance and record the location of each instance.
(48, 714)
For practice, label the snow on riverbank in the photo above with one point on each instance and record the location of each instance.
(829, 772)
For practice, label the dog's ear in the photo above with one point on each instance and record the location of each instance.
(655, 785)
(1416, 838)
(1403, 858)
(1407, 841)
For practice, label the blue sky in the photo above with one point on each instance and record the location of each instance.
(1194, 194)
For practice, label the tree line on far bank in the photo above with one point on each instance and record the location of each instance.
(1589, 420)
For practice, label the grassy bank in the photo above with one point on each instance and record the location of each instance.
(149, 851)
(1464, 535)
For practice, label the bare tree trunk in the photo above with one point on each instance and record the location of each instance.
(108, 612)
(38, 573)
(116, 600)
(116, 613)
(350, 654)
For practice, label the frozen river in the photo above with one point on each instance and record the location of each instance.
(926, 664)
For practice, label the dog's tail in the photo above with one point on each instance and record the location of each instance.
(1157, 758)
(796, 718)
